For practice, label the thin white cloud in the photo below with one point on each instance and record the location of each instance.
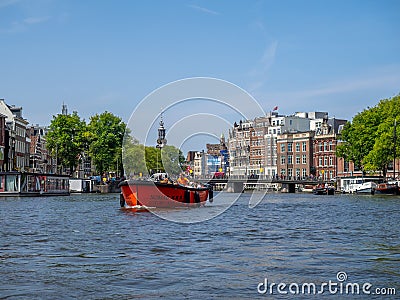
(5, 3)
(342, 98)
(348, 86)
(259, 73)
(268, 57)
(203, 9)
(35, 20)
(21, 26)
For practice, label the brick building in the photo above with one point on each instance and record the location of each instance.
(324, 144)
(295, 154)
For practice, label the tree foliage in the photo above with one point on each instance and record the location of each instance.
(138, 158)
(172, 159)
(66, 139)
(133, 157)
(69, 138)
(105, 135)
(368, 139)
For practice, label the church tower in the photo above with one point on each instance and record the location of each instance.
(161, 141)
(64, 110)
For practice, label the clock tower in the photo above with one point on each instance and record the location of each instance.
(161, 141)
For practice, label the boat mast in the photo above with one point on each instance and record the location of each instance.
(394, 150)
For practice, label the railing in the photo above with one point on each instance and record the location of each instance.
(263, 178)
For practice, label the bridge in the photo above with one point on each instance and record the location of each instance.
(237, 184)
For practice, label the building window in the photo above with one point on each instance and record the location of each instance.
(283, 160)
(320, 161)
(330, 146)
(290, 172)
(290, 159)
(325, 146)
(283, 172)
(330, 174)
(304, 173)
(304, 159)
(298, 159)
(282, 148)
(297, 172)
(325, 161)
(346, 166)
(331, 161)
(320, 147)
(297, 147)
(289, 147)
(304, 146)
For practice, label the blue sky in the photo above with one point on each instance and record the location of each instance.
(335, 56)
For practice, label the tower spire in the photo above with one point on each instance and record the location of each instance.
(161, 141)
(64, 110)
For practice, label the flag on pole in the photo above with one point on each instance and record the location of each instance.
(275, 108)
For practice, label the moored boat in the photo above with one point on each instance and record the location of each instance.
(324, 190)
(143, 195)
(359, 185)
(388, 189)
(365, 188)
(33, 184)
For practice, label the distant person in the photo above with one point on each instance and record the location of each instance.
(182, 180)
(165, 180)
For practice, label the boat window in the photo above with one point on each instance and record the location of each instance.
(11, 183)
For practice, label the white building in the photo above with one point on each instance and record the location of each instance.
(200, 164)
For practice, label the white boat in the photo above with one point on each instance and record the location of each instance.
(364, 188)
(358, 185)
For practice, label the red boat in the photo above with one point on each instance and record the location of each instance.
(387, 189)
(143, 195)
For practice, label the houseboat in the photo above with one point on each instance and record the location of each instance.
(359, 185)
(82, 185)
(33, 184)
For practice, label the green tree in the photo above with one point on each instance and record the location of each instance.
(133, 157)
(358, 137)
(65, 139)
(153, 159)
(106, 132)
(138, 158)
(383, 151)
(172, 159)
(368, 139)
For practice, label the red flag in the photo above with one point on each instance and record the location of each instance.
(275, 108)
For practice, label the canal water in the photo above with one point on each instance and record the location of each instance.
(86, 247)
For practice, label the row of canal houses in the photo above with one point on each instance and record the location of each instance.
(298, 146)
(302, 145)
(23, 146)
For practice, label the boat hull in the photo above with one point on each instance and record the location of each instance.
(387, 189)
(139, 194)
(324, 191)
(367, 191)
